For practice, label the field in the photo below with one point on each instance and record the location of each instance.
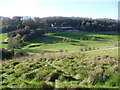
(87, 60)
(53, 42)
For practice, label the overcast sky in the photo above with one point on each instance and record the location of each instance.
(45, 8)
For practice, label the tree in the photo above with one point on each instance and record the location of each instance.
(14, 42)
(6, 54)
(29, 22)
(87, 25)
(24, 38)
(16, 20)
(27, 27)
(37, 22)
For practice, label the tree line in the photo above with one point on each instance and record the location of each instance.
(85, 24)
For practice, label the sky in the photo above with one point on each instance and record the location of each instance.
(69, 8)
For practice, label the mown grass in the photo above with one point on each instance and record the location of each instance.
(53, 42)
(3, 36)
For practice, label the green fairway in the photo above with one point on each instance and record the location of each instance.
(3, 36)
(54, 41)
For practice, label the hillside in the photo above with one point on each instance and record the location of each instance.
(55, 41)
(59, 52)
(86, 60)
(63, 70)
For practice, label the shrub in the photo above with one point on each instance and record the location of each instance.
(105, 56)
(81, 39)
(113, 81)
(86, 49)
(61, 50)
(14, 42)
(89, 48)
(26, 33)
(66, 50)
(42, 75)
(97, 48)
(54, 76)
(6, 54)
(15, 63)
(20, 53)
(92, 38)
(95, 78)
(81, 49)
(66, 40)
(116, 45)
(9, 71)
(94, 48)
(18, 72)
(30, 75)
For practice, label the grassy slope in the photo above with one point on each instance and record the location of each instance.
(72, 71)
(4, 36)
(54, 42)
(111, 52)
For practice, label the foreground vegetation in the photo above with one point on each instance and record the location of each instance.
(43, 53)
(62, 70)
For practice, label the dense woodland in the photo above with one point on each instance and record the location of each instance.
(83, 24)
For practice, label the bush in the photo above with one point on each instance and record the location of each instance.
(14, 42)
(30, 75)
(54, 76)
(86, 49)
(6, 54)
(26, 33)
(116, 45)
(15, 63)
(81, 49)
(92, 38)
(94, 48)
(89, 48)
(61, 50)
(66, 50)
(20, 53)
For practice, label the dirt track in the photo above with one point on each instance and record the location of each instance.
(53, 55)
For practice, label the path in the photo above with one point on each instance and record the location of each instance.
(54, 55)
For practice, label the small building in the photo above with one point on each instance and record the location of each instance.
(6, 40)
